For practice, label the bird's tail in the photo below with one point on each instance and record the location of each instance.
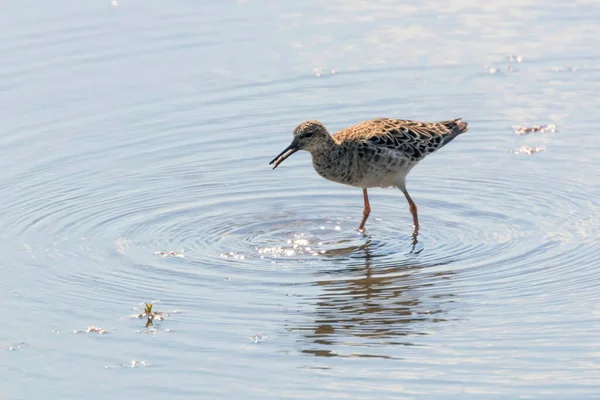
(455, 128)
(462, 127)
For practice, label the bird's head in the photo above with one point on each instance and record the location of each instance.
(309, 136)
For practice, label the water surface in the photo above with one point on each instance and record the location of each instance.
(146, 127)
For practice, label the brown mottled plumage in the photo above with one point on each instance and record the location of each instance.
(374, 153)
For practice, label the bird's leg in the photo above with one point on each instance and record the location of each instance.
(366, 211)
(413, 211)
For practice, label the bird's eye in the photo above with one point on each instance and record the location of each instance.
(308, 134)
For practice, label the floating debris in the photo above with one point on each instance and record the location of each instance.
(170, 253)
(490, 70)
(259, 338)
(136, 364)
(132, 364)
(16, 346)
(515, 58)
(233, 255)
(527, 150)
(320, 72)
(567, 69)
(523, 130)
(92, 329)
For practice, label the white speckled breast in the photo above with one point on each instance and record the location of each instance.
(371, 167)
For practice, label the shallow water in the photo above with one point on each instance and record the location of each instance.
(145, 127)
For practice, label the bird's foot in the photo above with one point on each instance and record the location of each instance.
(415, 241)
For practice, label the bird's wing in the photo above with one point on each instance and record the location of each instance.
(414, 138)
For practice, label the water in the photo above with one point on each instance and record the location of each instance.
(147, 127)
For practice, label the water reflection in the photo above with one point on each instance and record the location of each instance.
(373, 302)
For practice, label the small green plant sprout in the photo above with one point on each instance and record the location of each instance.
(150, 315)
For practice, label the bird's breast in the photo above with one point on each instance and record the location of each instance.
(363, 168)
(337, 169)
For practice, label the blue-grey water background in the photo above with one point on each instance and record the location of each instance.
(137, 127)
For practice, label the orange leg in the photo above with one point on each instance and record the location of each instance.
(366, 211)
(413, 211)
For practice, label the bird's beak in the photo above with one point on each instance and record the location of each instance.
(291, 149)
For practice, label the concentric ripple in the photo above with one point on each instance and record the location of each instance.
(486, 229)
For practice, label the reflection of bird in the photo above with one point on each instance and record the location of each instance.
(370, 303)
(375, 153)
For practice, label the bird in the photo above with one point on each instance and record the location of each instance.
(374, 153)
